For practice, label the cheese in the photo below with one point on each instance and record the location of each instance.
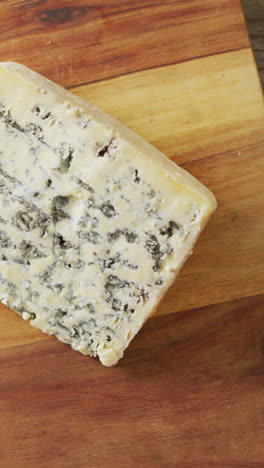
(95, 223)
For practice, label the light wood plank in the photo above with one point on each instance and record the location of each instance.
(207, 115)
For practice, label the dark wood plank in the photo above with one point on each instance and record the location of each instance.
(96, 40)
(188, 393)
(254, 14)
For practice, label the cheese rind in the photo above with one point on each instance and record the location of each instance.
(95, 223)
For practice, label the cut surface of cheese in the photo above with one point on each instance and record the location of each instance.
(95, 223)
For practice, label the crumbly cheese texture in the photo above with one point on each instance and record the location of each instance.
(94, 222)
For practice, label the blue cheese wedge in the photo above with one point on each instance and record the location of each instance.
(95, 223)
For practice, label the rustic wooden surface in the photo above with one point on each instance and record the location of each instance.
(189, 392)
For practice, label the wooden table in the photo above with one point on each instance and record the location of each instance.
(254, 15)
(189, 392)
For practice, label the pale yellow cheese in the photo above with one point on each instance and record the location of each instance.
(95, 223)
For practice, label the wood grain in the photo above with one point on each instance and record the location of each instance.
(189, 392)
(96, 40)
(216, 132)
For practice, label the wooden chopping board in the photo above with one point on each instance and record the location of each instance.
(189, 391)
